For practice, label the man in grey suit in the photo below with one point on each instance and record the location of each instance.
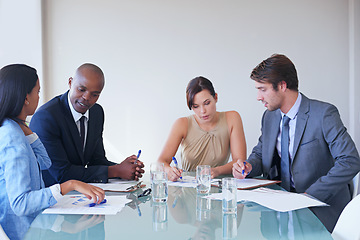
(303, 142)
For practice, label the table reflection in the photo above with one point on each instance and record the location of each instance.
(206, 215)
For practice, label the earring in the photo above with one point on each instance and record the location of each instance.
(27, 102)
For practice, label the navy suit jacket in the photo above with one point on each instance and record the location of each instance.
(325, 159)
(55, 126)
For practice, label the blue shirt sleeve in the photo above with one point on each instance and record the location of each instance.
(22, 176)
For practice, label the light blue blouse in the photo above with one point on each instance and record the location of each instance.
(22, 188)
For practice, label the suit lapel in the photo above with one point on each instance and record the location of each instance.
(301, 122)
(74, 132)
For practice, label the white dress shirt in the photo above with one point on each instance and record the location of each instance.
(76, 115)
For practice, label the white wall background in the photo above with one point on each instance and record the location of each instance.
(149, 50)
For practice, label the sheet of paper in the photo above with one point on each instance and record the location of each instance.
(278, 200)
(116, 185)
(186, 181)
(248, 183)
(79, 204)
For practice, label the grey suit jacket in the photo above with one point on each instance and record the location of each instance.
(325, 158)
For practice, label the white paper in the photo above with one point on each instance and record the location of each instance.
(116, 185)
(186, 181)
(79, 204)
(278, 200)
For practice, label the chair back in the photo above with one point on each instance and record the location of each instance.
(347, 226)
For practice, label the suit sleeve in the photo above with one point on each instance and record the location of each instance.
(57, 140)
(343, 151)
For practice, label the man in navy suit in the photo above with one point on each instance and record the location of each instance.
(60, 123)
(314, 155)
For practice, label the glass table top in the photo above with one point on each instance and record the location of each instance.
(186, 215)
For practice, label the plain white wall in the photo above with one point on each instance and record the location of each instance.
(21, 33)
(149, 50)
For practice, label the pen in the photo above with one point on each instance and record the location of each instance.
(176, 165)
(243, 171)
(94, 204)
(137, 157)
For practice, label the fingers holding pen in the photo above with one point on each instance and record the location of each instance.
(241, 169)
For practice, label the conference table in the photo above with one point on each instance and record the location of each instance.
(185, 215)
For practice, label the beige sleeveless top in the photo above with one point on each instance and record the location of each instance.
(202, 147)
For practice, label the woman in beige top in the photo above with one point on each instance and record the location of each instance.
(207, 137)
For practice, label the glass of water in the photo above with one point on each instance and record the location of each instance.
(229, 191)
(159, 187)
(203, 178)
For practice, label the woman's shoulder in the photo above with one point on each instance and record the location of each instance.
(10, 132)
(232, 115)
(181, 122)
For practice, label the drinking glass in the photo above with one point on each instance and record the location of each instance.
(203, 178)
(229, 191)
(159, 186)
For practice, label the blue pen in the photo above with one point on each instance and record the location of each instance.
(176, 165)
(137, 157)
(243, 171)
(94, 204)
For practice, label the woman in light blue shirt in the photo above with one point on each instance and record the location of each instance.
(22, 155)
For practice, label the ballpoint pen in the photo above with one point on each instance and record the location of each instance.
(243, 171)
(94, 204)
(176, 165)
(137, 157)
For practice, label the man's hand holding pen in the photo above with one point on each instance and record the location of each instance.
(241, 169)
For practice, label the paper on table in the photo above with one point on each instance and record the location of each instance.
(79, 204)
(278, 200)
(186, 181)
(117, 185)
(190, 181)
(248, 183)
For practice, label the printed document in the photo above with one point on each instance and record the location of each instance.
(79, 204)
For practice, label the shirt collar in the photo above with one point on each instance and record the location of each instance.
(76, 115)
(294, 109)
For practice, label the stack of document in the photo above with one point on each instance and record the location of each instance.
(277, 200)
(79, 204)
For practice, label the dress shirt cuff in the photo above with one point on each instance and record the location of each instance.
(32, 138)
(55, 190)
